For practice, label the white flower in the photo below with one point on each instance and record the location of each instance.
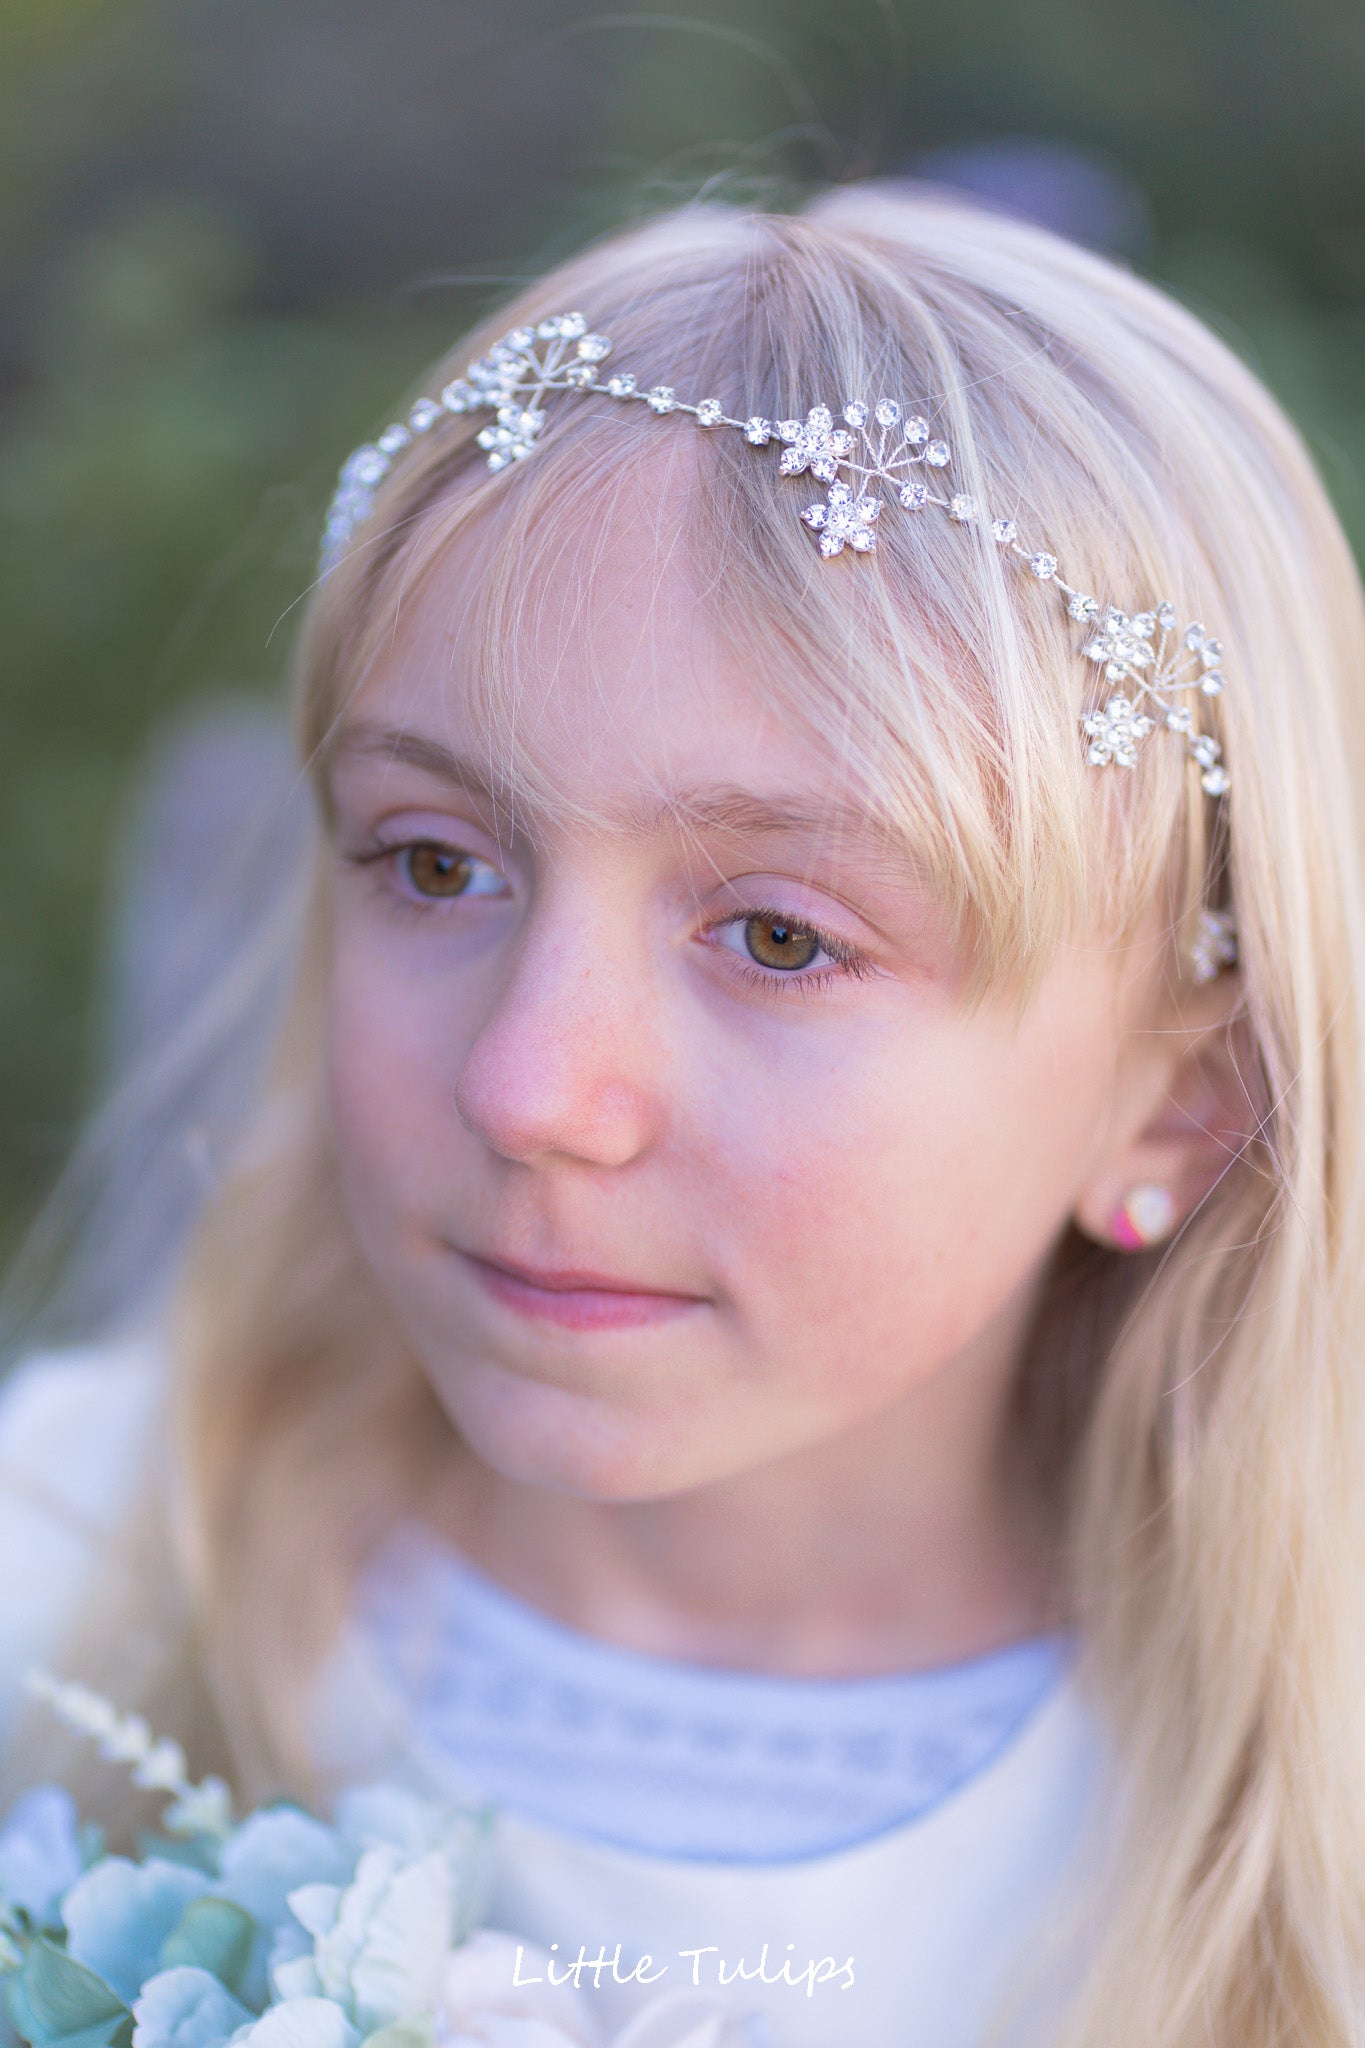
(368, 1814)
(380, 1946)
(679, 2019)
(490, 1981)
(186, 2007)
(498, 2030)
(270, 1855)
(372, 1815)
(299, 2023)
(492, 1999)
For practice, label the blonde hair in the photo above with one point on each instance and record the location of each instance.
(1200, 1415)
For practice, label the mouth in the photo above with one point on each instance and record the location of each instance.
(576, 1300)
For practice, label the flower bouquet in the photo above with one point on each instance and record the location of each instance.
(279, 1930)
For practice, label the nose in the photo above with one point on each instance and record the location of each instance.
(563, 1065)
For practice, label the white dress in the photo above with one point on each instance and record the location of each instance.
(925, 1926)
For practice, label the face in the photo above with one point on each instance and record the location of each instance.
(660, 1118)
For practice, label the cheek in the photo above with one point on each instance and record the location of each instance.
(885, 1206)
(388, 1086)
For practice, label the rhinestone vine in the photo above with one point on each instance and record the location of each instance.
(871, 452)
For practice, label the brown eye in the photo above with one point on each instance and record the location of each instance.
(437, 870)
(774, 942)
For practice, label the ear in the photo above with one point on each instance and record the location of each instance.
(1183, 1111)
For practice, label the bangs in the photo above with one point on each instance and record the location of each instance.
(944, 687)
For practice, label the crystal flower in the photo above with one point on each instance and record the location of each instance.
(1120, 646)
(496, 376)
(844, 520)
(1114, 733)
(514, 436)
(816, 445)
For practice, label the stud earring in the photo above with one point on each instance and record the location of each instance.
(1146, 1216)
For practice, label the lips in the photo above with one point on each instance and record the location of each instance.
(576, 1299)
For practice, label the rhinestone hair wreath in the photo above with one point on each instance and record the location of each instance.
(1144, 656)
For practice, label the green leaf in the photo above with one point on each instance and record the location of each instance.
(54, 1999)
(110, 2033)
(214, 1934)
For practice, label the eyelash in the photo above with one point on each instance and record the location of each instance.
(410, 901)
(845, 961)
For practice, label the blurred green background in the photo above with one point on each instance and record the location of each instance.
(234, 230)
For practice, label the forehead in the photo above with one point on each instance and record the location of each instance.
(600, 682)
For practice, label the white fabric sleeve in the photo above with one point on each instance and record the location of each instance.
(73, 1425)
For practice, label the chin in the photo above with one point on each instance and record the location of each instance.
(575, 1444)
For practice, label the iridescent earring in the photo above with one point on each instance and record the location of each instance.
(1145, 1216)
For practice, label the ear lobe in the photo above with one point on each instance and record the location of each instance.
(1201, 1122)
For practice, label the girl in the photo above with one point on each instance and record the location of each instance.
(789, 1314)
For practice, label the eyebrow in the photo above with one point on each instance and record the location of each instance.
(397, 744)
(724, 809)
